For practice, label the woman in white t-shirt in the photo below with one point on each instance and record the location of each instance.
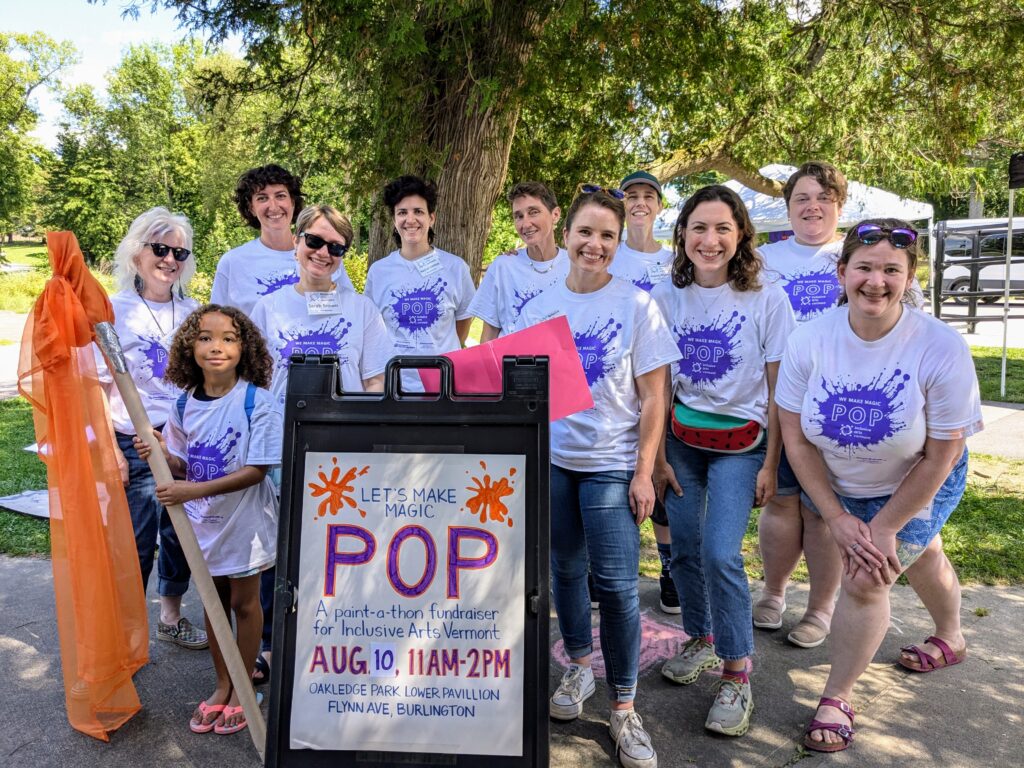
(268, 199)
(876, 401)
(422, 291)
(602, 460)
(722, 456)
(319, 316)
(805, 267)
(154, 264)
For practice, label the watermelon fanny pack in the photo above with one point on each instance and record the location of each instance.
(713, 431)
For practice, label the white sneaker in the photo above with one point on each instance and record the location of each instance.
(632, 743)
(576, 687)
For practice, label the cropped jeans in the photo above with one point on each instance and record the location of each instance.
(708, 523)
(148, 518)
(591, 523)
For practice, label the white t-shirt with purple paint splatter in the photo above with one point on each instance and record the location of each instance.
(420, 306)
(146, 343)
(868, 406)
(644, 270)
(236, 531)
(725, 338)
(620, 334)
(356, 334)
(512, 281)
(252, 270)
(807, 273)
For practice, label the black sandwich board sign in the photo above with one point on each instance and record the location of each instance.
(411, 600)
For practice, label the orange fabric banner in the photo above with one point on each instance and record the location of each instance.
(101, 609)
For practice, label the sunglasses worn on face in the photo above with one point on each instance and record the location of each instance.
(869, 234)
(337, 250)
(589, 189)
(160, 251)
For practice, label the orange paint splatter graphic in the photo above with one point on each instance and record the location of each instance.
(336, 490)
(486, 500)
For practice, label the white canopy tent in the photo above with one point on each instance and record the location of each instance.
(769, 213)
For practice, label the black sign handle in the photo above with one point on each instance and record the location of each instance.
(393, 376)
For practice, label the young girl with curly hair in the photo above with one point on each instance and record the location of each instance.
(723, 451)
(221, 440)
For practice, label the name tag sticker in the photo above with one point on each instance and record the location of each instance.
(429, 265)
(656, 273)
(325, 303)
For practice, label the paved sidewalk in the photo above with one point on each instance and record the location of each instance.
(969, 716)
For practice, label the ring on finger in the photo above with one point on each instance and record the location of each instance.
(855, 546)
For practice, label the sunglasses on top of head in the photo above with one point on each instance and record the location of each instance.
(337, 250)
(589, 189)
(900, 237)
(160, 251)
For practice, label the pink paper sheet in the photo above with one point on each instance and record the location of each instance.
(478, 369)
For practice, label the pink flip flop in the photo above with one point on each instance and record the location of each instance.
(928, 663)
(205, 709)
(224, 730)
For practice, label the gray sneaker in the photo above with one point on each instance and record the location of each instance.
(632, 743)
(685, 667)
(576, 687)
(184, 633)
(730, 714)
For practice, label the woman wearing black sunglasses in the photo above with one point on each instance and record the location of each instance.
(154, 265)
(320, 316)
(876, 401)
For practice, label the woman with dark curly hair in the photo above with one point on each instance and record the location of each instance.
(723, 451)
(269, 199)
(222, 440)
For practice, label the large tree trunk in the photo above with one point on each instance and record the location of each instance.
(470, 130)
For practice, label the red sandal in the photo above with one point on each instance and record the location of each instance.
(845, 732)
(928, 663)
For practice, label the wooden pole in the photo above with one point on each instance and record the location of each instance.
(241, 676)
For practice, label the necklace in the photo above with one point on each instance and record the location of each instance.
(700, 297)
(550, 265)
(153, 315)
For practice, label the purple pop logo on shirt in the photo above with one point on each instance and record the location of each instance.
(709, 351)
(859, 415)
(416, 309)
(594, 346)
(276, 281)
(155, 354)
(328, 339)
(812, 292)
(209, 460)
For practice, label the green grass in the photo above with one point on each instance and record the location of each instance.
(21, 471)
(34, 255)
(984, 538)
(988, 364)
(19, 290)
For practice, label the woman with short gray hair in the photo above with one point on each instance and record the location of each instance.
(153, 264)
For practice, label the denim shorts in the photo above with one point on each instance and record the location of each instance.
(917, 534)
(785, 479)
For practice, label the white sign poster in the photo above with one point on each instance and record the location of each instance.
(411, 610)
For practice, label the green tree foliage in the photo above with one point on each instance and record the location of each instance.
(27, 63)
(897, 92)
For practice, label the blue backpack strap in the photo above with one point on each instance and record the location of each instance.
(250, 401)
(181, 406)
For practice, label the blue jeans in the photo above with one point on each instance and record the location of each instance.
(707, 524)
(591, 523)
(148, 517)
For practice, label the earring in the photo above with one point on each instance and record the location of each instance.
(140, 284)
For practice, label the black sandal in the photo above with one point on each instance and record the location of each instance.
(261, 673)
